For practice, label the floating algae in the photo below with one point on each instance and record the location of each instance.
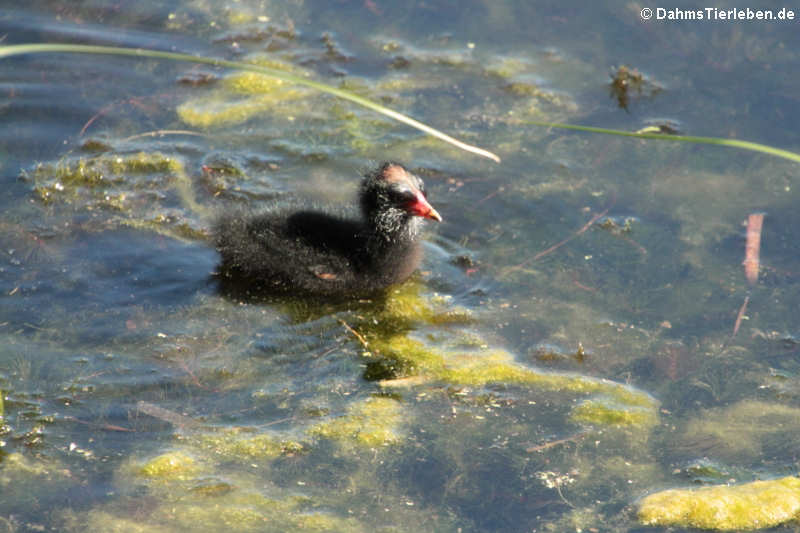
(756, 505)
(606, 412)
(396, 359)
(175, 466)
(218, 110)
(239, 443)
(250, 511)
(245, 95)
(132, 186)
(406, 304)
(234, 511)
(97, 176)
(18, 473)
(372, 422)
(620, 405)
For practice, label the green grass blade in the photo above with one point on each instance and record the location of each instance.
(19, 49)
(747, 145)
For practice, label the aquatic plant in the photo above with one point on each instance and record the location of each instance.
(649, 134)
(756, 505)
(12, 50)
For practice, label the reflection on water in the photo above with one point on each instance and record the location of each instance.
(538, 372)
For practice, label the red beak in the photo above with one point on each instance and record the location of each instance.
(421, 208)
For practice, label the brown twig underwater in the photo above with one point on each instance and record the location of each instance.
(550, 444)
(558, 245)
(740, 316)
(752, 252)
(752, 247)
(356, 334)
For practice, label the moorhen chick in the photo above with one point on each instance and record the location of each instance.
(310, 252)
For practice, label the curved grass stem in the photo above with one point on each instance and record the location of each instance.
(733, 143)
(19, 49)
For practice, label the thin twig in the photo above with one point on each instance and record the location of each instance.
(161, 133)
(109, 427)
(547, 445)
(558, 488)
(356, 334)
(497, 191)
(740, 316)
(94, 117)
(553, 248)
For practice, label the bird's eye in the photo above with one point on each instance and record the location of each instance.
(402, 196)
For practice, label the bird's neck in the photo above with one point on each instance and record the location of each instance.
(391, 233)
(394, 226)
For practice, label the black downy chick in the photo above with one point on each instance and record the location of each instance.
(314, 253)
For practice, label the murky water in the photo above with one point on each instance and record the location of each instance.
(517, 383)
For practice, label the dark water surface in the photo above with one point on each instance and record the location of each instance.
(503, 388)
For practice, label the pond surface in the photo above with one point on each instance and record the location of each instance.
(581, 333)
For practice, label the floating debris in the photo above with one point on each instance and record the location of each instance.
(626, 81)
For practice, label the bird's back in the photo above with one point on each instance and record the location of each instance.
(302, 252)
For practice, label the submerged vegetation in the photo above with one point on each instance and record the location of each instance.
(457, 402)
(129, 188)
